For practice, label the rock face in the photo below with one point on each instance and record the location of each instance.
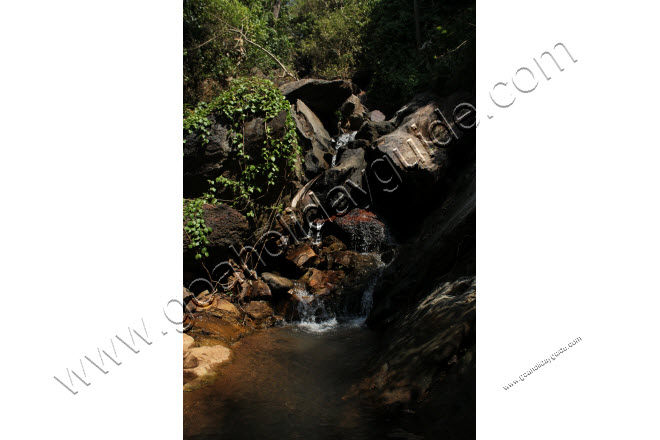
(421, 156)
(424, 305)
(323, 97)
(316, 142)
(206, 161)
(428, 365)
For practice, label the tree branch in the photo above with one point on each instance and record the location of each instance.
(265, 50)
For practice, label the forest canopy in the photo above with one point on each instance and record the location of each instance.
(390, 48)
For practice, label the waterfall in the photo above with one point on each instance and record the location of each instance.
(341, 142)
(312, 313)
(315, 227)
(314, 316)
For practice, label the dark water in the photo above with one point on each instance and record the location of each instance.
(288, 383)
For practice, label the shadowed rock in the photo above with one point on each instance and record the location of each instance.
(323, 97)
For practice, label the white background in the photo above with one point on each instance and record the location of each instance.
(567, 218)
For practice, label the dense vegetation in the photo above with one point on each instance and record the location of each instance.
(388, 47)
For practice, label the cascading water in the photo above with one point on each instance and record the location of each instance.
(314, 316)
(340, 143)
(316, 232)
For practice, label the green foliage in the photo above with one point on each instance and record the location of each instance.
(195, 226)
(373, 42)
(398, 68)
(244, 100)
(213, 53)
(329, 34)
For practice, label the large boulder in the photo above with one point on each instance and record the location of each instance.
(349, 166)
(316, 142)
(372, 130)
(255, 132)
(261, 314)
(417, 159)
(204, 160)
(353, 113)
(361, 230)
(257, 290)
(323, 97)
(228, 228)
(277, 284)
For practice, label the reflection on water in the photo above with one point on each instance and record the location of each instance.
(288, 383)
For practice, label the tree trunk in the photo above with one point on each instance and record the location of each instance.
(418, 32)
(276, 9)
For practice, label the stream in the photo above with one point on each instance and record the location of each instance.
(291, 382)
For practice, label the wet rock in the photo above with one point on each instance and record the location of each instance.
(361, 230)
(257, 290)
(361, 272)
(315, 140)
(300, 254)
(224, 329)
(345, 259)
(353, 113)
(277, 283)
(332, 244)
(322, 282)
(261, 313)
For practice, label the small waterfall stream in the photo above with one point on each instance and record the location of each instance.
(314, 315)
(312, 312)
(340, 143)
